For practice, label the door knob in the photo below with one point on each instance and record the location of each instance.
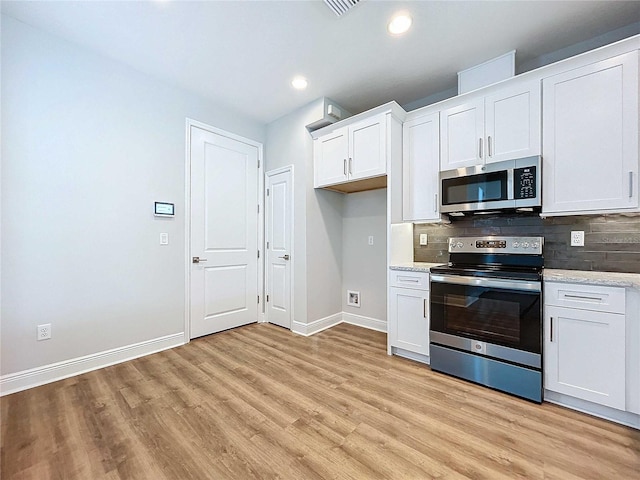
(198, 259)
(286, 256)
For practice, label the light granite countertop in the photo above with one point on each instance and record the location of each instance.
(612, 279)
(414, 266)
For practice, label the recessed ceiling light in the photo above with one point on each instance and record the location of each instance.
(399, 24)
(299, 83)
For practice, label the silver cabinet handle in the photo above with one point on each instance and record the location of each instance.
(198, 259)
(350, 166)
(286, 257)
(344, 167)
(424, 308)
(435, 202)
(551, 329)
(480, 148)
(630, 184)
(489, 146)
(582, 297)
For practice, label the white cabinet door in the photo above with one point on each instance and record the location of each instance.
(409, 319)
(512, 123)
(367, 148)
(584, 355)
(590, 137)
(461, 135)
(420, 166)
(330, 158)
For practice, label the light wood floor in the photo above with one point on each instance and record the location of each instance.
(260, 402)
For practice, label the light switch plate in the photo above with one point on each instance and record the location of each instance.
(370, 239)
(164, 239)
(577, 238)
(423, 239)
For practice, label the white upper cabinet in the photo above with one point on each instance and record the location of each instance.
(462, 134)
(590, 132)
(512, 123)
(367, 148)
(500, 126)
(353, 155)
(330, 157)
(420, 162)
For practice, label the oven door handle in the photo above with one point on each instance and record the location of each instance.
(488, 282)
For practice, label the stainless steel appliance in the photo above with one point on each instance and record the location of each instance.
(509, 185)
(486, 313)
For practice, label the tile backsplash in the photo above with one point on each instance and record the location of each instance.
(611, 242)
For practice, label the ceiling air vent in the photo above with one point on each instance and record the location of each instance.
(340, 7)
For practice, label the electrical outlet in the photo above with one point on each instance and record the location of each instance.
(44, 332)
(577, 238)
(423, 239)
(370, 239)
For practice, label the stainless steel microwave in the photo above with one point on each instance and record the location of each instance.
(508, 185)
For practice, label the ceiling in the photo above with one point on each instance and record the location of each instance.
(243, 54)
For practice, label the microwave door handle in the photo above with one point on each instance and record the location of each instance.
(510, 183)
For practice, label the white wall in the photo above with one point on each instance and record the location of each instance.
(88, 145)
(317, 218)
(364, 266)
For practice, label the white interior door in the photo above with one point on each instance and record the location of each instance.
(224, 232)
(279, 223)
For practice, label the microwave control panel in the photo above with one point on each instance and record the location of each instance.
(524, 180)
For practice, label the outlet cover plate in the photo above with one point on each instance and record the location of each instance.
(577, 238)
(423, 239)
(43, 332)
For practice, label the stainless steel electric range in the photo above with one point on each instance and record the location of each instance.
(486, 313)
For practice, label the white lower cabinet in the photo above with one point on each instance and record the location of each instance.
(409, 312)
(584, 343)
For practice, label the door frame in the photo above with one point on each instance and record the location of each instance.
(286, 168)
(187, 219)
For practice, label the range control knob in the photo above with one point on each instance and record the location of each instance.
(535, 245)
(459, 244)
(516, 244)
(525, 244)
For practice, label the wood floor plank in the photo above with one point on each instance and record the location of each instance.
(259, 402)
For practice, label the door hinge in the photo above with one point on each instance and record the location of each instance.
(258, 163)
(267, 192)
(258, 298)
(258, 208)
(267, 298)
(267, 245)
(258, 253)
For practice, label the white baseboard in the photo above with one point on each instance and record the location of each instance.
(366, 322)
(321, 324)
(16, 382)
(316, 326)
(417, 357)
(626, 418)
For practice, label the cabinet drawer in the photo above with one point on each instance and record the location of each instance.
(585, 297)
(404, 279)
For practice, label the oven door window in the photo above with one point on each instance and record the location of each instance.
(511, 318)
(486, 187)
